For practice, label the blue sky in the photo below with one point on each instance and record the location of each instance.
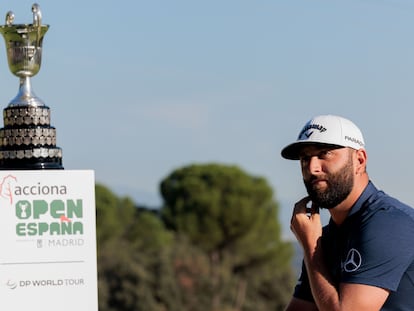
(140, 88)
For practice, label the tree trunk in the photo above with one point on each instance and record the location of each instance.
(240, 295)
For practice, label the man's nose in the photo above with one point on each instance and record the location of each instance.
(314, 165)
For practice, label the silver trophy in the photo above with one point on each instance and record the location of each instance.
(27, 140)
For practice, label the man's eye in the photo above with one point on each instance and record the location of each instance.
(304, 160)
(325, 153)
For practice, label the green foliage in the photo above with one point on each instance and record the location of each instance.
(215, 245)
(215, 205)
(134, 267)
(113, 214)
(233, 218)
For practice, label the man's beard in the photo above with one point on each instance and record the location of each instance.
(339, 186)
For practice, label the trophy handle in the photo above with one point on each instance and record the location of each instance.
(9, 18)
(37, 22)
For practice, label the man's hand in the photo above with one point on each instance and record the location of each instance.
(306, 224)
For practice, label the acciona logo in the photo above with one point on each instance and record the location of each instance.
(10, 188)
(6, 185)
(39, 189)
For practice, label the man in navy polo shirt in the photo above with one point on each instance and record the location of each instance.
(363, 259)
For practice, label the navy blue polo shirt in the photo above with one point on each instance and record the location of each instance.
(374, 246)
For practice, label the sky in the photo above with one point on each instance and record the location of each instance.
(138, 88)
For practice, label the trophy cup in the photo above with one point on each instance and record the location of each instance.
(27, 140)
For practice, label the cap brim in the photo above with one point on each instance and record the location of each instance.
(292, 151)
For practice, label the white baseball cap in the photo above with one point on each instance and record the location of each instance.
(327, 130)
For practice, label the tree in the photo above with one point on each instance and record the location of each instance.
(134, 257)
(113, 214)
(233, 218)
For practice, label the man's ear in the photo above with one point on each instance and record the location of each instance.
(361, 157)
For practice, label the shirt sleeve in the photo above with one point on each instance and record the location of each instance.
(302, 288)
(380, 252)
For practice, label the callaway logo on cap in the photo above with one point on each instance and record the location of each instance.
(329, 130)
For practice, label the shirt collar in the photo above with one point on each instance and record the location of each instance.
(369, 190)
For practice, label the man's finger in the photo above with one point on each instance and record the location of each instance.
(314, 209)
(301, 206)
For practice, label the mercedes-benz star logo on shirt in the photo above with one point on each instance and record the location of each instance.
(353, 260)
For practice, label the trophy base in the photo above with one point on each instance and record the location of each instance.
(31, 164)
(27, 141)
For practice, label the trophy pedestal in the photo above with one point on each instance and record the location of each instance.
(27, 141)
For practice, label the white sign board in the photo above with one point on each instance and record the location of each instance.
(48, 241)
